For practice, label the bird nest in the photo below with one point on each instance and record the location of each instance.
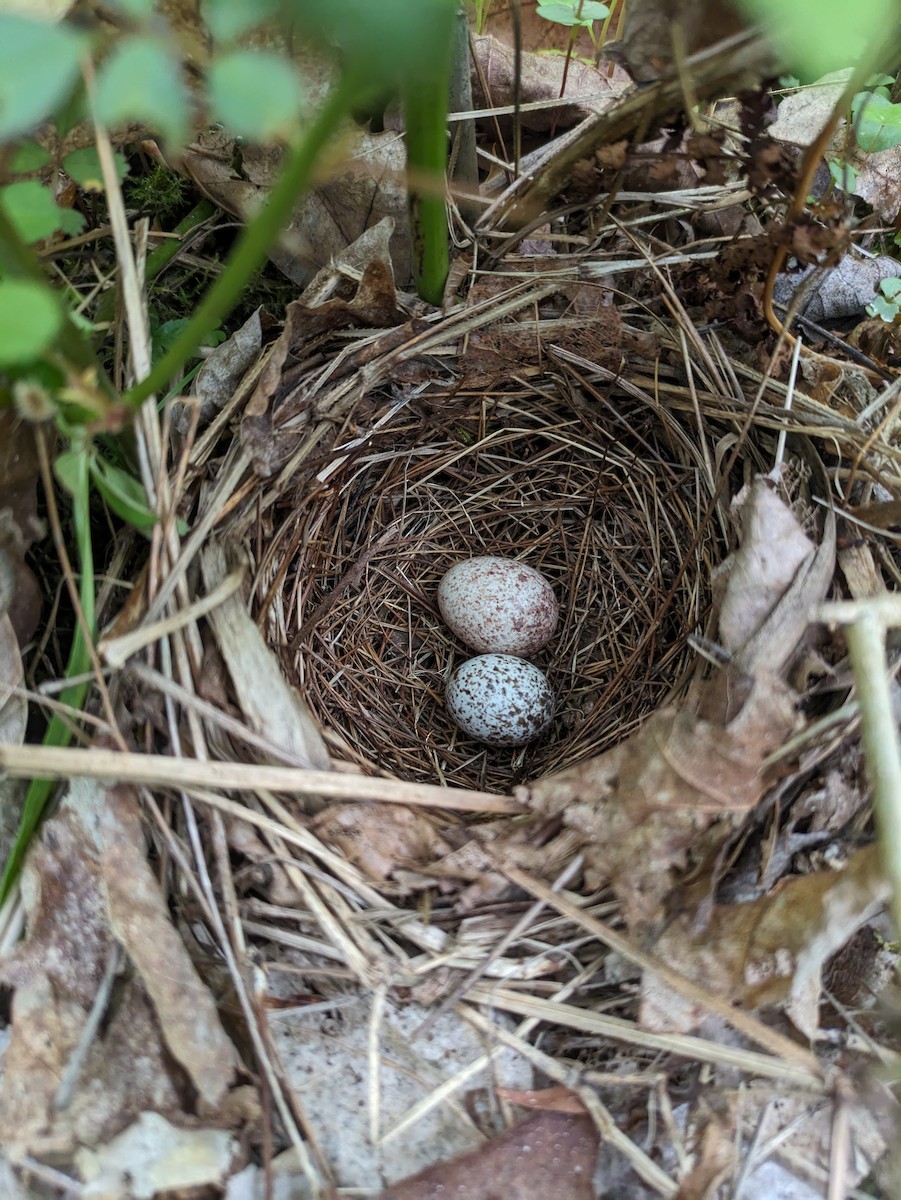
(607, 503)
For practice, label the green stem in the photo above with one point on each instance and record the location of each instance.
(255, 240)
(425, 118)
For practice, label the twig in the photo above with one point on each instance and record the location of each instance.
(54, 762)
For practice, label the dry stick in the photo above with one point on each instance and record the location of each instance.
(52, 762)
(776, 1043)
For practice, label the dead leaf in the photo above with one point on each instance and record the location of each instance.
(85, 878)
(656, 32)
(843, 291)
(540, 78)
(363, 183)
(802, 115)
(714, 1160)
(153, 1156)
(13, 705)
(378, 838)
(648, 807)
(773, 547)
(218, 378)
(327, 1057)
(549, 1155)
(770, 951)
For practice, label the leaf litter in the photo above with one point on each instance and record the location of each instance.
(339, 931)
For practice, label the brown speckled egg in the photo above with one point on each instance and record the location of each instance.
(500, 699)
(498, 605)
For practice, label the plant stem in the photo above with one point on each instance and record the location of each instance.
(255, 240)
(879, 731)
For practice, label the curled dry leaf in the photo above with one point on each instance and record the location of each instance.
(357, 290)
(843, 291)
(153, 1157)
(540, 77)
(770, 951)
(88, 890)
(773, 547)
(365, 186)
(378, 838)
(222, 371)
(650, 804)
(549, 1154)
(655, 31)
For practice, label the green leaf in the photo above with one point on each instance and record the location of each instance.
(38, 69)
(817, 36)
(890, 287)
(592, 11)
(84, 167)
(123, 493)
(28, 157)
(887, 310)
(69, 468)
(843, 174)
(560, 14)
(877, 122)
(255, 94)
(227, 19)
(142, 81)
(30, 319)
(34, 212)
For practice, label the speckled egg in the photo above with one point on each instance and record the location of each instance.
(500, 699)
(498, 605)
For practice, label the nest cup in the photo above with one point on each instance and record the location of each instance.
(605, 502)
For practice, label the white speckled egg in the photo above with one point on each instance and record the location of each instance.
(500, 699)
(498, 605)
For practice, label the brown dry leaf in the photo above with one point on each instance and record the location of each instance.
(361, 186)
(770, 951)
(714, 1159)
(378, 838)
(656, 32)
(330, 302)
(87, 889)
(773, 547)
(649, 805)
(549, 1154)
(541, 78)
